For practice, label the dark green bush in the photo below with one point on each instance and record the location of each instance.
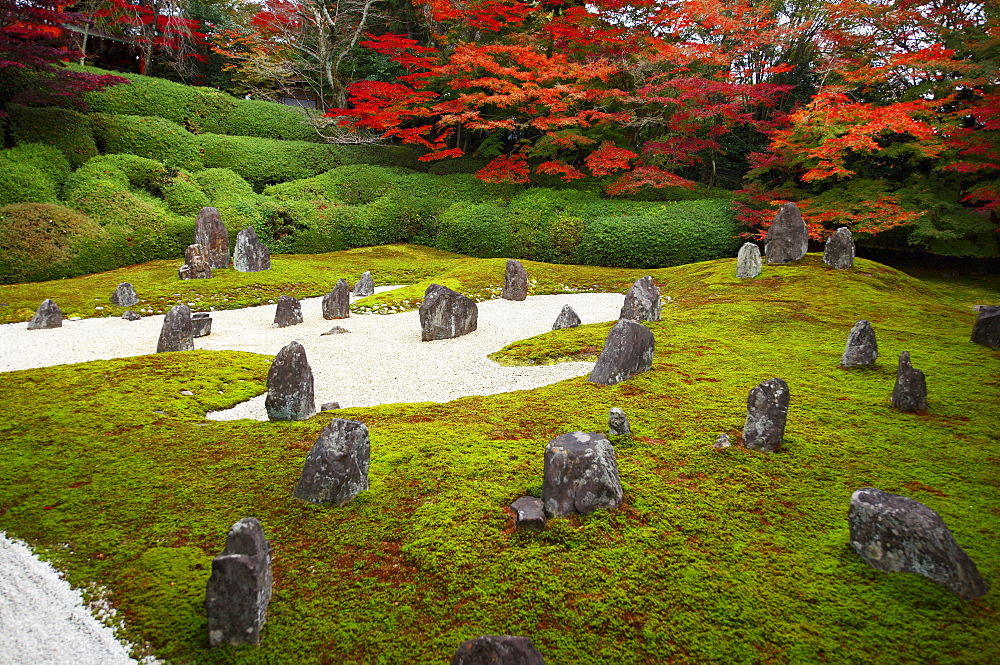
(219, 182)
(147, 136)
(380, 154)
(456, 187)
(46, 158)
(67, 130)
(22, 183)
(317, 188)
(140, 172)
(467, 165)
(183, 196)
(264, 162)
(40, 241)
(362, 183)
(476, 229)
(253, 117)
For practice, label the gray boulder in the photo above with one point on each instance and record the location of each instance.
(337, 303)
(839, 250)
(336, 469)
(196, 264)
(251, 255)
(618, 422)
(628, 350)
(896, 534)
(767, 411)
(211, 234)
(287, 313)
(748, 261)
(445, 313)
(130, 315)
(787, 238)
(124, 295)
(365, 285)
(642, 302)
(515, 281)
(48, 315)
(177, 333)
(201, 324)
(497, 650)
(529, 513)
(986, 329)
(329, 406)
(567, 319)
(290, 385)
(862, 348)
(581, 475)
(910, 392)
(239, 588)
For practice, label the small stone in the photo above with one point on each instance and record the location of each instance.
(642, 302)
(288, 312)
(196, 264)
(515, 281)
(722, 441)
(787, 238)
(748, 261)
(839, 251)
(48, 315)
(129, 315)
(201, 324)
(365, 285)
(177, 333)
(767, 411)
(618, 422)
(239, 588)
(251, 254)
(628, 350)
(862, 348)
(211, 233)
(186, 392)
(337, 303)
(986, 329)
(290, 385)
(329, 406)
(445, 313)
(497, 650)
(529, 513)
(336, 469)
(909, 395)
(124, 295)
(567, 319)
(336, 330)
(581, 475)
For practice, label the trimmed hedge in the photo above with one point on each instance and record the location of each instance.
(476, 229)
(362, 183)
(46, 158)
(147, 136)
(67, 130)
(21, 183)
(183, 196)
(41, 241)
(264, 162)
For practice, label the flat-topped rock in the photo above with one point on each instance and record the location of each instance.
(365, 285)
(290, 385)
(642, 302)
(628, 350)
(124, 295)
(567, 319)
(336, 469)
(581, 475)
(497, 650)
(986, 329)
(337, 303)
(239, 588)
(515, 281)
(287, 313)
(909, 395)
(48, 315)
(445, 313)
(788, 237)
(839, 250)
(177, 333)
(529, 513)
(862, 348)
(748, 261)
(251, 255)
(211, 234)
(767, 412)
(201, 324)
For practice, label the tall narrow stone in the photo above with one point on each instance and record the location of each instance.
(48, 315)
(642, 302)
(515, 281)
(748, 261)
(337, 303)
(910, 392)
(336, 469)
(251, 254)
(287, 313)
(365, 286)
(787, 238)
(628, 350)
(839, 250)
(767, 411)
(177, 333)
(290, 385)
(445, 313)
(211, 233)
(986, 329)
(862, 348)
(239, 588)
(124, 295)
(567, 318)
(497, 650)
(581, 475)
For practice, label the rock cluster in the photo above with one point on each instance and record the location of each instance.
(251, 255)
(239, 588)
(581, 475)
(445, 314)
(628, 350)
(515, 281)
(787, 238)
(290, 385)
(48, 315)
(336, 469)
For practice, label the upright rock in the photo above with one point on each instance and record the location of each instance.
(567, 319)
(365, 286)
(251, 254)
(287, 313)
(336, 469)
(211, 233)
(529, 513)
(239, 588)
(290, 385)
(861, 349)
(986, 329)
(767, 411)
(581, 475)
(497, 650)
(839, 250)
(48, 315)
(337, 303)
(177, 333)
(910, 392)
(788, 238)
(196, 264)
(618, 422)
(445, 313)
(642, 302)
(515, 281)
(627, 351)
(748, 261)
(896, 534)
(201, 324)
(124, 295)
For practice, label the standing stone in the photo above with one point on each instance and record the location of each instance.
(445, 313)
(618, 422)
(748, 261)
(287, 313)
(497, 650)
(365, 286)
(627, 351)
(767, 411)
(337, 303)
(201, 324)
(788, 238)
(239, 588)
(290, 385)
(251, 254)
(196, 265)
(862, 349)
(910, 392)
(515, 281)
(899, 535)
(986, 329)
(211, 233)
(581, 475)
(177, 333)
(642, 302)
(336, 469)
(48, 315)
(529, 513)
(124, 295)
(567, 319)
(839, 251)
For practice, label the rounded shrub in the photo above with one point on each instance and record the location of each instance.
(67, 130)
(141, 172)
(183, 196)
(475, 229)
(252, 117)
(325, 232)
(221, 182)
(380, 154)
(362, 183)
(147, 136)
(144, 96)
(22, 183)
(264, 162)
(46, 158)
(41, 241)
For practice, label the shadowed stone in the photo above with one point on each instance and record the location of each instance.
(211, 233)
(515, 281)
(287, 313)
(336, 469)
(129, 315)
(839, 250)
(986, 329)
(896, 534)
(365, 286)
(787, 238)
(251, 254)
(722, 442)
(48, 315)
(239, 588)
(748, 261)
(628, 350)
(581, 475)
(910, 392)
(177, 333)
(290, 385)
(529, 513)
(497, 650)
(330, 406)
(445, 313)
(337, 303)
(567, 319)
(201, 324)
(642, 302)
(196, 265)
(767, 411)
(618, 422)
(336, 330)
(124, 295)
(862, 349)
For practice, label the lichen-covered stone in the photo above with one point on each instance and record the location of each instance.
(239, 588)
(862, 348)
(201, 324)
(529, 513)
(567, 318)
(48, 315)
(196, 263)
(515, 281)
(767, 412)
(287, 313)
(628, 350)
(986, 329)
(445, 314)
(618, 422)
(365, 286)
(497, 650)
(124, 295)
(251, 255)
(909, 395)
(337, 303)
(787, 238)
(581, 475)
(722, 441)
(748, 261)
(177, 333)
(290, 385)
(642, 302)
(211, 234)
(336, 469)
(839, 250)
